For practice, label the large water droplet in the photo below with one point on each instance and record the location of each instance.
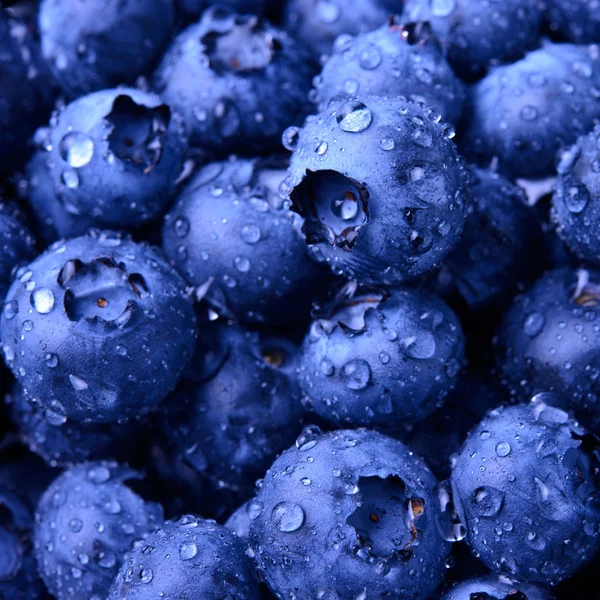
(308, 438)
(354, 117)
(98, 474)
(370, 58)
(290, 138)
(76, 149)
(356, 374)
(42, 300)
(288, 517)
(10, 309)
(254, 509)
(250, 234)
(503, 449)
(70, 179)
(181, 226)
(242, 264)
(533, 324)
(577, 198)
(488, 501)
(187, 550)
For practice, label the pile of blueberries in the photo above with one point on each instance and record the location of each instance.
(300, 299)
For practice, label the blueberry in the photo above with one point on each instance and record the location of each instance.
(17, 243)
(320, 22)
(114, 157)
(345, 512)
(224, 75)
(495, 588)
(575, 20)
(64, 442)
(98, 328)
(550, 341)
(526, 484)
(498, 252)
(237, 406)
(476, 35)
(380, 186)
(19, 579)
(99, 44)
(190, 558)
(522, 113)
(380, 359)
(394, 60)
(51, 218)
(86, 522)
(576, 201)
(229, 235)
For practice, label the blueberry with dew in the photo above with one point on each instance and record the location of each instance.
(393, 60)
(86, 522)
(380, 359)
(237, 80)
(98, 328)
(99, 44)
(345, 512)
(526, 485)
(380, 186)
(524, 112)
(114, 157)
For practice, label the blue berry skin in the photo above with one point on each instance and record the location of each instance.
(362, 504)
(229, 236)
(576, 200)
(19, 579)
(575, 20)
(52, 220)
(380, 186)
(394, 60)
(98, 328)
(62, 442)
(379, 359)
(237, 406)
(526, 484)
(476, 35)
(550, 341)
(115, 156)
(189, 558)
(495, 588)
(524, 112)
(320, 22)
(498, 252)
(224, 75)
(17, 245)
(102, 43)
(86, 521)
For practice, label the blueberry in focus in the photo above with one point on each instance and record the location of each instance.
(52, 219)
(98, 328)
(576, 200)
(237, 406)
(320, 22)
(61, 441)
(114, 156)
(188, 558)
(495, 588)
(524, 112)
(476, 35)
(498, 253)
(345, 512)
(86, 522)
(393, 60)
(526, 484)
(380, 359)
(380, 186)
(575, 20)
(229, 236)
(237, 80)
(95, 44)
(550, 341)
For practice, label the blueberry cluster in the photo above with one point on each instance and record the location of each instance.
(299, 299)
